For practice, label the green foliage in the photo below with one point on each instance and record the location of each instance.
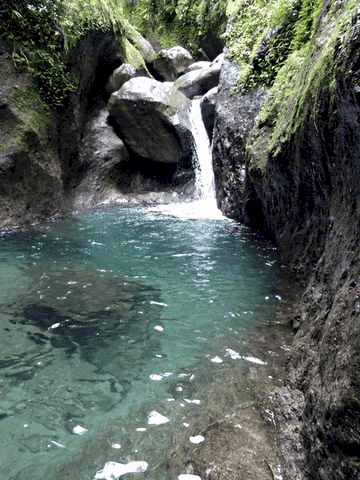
(39, 42)
(34, 118)
(52, 76)
(305, 25)
(304, 84)
(265, 33)
(179, 22)
(43, 31)
(78, 17)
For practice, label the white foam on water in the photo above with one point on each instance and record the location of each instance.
(187, 476)
(196, 439)
(79, 430)
(216, 359)
(235, 355)
(156, 418)
(254, 360)
(114, 470)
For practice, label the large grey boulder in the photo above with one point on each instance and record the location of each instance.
(122, 74)
(207, 106)
(103, 161)
(153, 119)
(197, 66)
(146, 50)
(200, 81)
(170, 64)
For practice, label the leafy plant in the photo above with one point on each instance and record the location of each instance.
(43, 31)
(183, 22)
(264, 34)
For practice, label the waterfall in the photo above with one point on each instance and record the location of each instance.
(205, 184)
(204, 205)
(205, 188)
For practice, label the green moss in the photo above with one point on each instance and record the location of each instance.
(265, 33)
(44, 31)
(132, 55)
(32, 119)
(302, 86)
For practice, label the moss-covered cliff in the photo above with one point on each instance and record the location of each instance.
(296, 178)
(55, 59)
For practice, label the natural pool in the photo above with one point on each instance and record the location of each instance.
(111, 323)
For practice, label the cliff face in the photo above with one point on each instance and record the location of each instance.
(300, 186)
(54, 160)
(31, 186)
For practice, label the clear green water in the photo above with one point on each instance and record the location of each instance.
(109, 316)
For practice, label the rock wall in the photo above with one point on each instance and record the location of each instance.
(31, 185)
(53, 161)
(298, 182)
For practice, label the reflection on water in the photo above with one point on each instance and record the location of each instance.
(113, 324)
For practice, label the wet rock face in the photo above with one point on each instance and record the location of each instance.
(235, 116)
(103, 162)
(306, 196)
(170, 64)
(153, 119)
(30, 173)
(207, 105)
(329, 315)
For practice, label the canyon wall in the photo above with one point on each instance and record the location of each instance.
(291, 169)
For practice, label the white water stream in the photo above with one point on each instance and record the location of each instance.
(204, 205)
(205, 188)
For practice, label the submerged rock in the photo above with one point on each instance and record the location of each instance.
(91, 313)
(169, 64)
(153, 119)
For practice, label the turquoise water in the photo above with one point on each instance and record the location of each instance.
(111, 324)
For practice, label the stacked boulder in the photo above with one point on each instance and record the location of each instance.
(142, 141)
(152, 116)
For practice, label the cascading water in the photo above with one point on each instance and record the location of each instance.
(205, 189)
(204, 205)
(205, 185)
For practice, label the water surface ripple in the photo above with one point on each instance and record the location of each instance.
(111, 322)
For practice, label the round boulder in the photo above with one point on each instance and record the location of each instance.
(147, 50)
(197, 66)
(200, 81)
(122, 74)
(153, 119)
(169, 64)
